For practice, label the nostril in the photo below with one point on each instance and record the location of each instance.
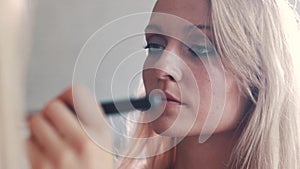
(167, 77)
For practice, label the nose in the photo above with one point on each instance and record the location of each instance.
(169, 64)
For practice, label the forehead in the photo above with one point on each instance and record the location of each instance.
(181, 18)
(194, 11)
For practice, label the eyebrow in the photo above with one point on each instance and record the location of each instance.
(153, 27)
(159, 29)
(205, 27)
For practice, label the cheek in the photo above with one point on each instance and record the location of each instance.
(148, 79)
(202, 106)
(149, 75)
(232, 108)
(205, 90)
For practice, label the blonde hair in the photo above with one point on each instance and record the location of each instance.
(257, 41)
(13, 28)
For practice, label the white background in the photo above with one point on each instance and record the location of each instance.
(60, 29)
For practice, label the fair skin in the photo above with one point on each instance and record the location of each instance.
(75, 150)
(163, 71)
(57, 140)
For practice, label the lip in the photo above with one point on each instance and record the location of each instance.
(172, 99)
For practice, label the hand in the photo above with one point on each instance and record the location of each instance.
(58, 141)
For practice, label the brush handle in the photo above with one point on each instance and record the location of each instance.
(126, 105)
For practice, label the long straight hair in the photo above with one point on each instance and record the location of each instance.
(13, 32)
(257, 41)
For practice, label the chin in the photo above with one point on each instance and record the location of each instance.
(170, 128)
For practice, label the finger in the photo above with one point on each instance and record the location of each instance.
(36, 157)
(45, 136)
(66, 124)
(91, 117)
(67, 98)
(87, 107)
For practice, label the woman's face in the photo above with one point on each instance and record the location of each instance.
(175, 69)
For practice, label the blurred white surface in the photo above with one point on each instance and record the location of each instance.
(60, 30)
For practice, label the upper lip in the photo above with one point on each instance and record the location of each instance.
(171, 97)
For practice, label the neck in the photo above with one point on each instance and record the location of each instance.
(212, 154)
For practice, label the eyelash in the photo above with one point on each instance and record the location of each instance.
(151, 45)
(156, 48)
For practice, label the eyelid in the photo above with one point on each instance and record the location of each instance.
(154, 45)
(210, 50)
(158, 37)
